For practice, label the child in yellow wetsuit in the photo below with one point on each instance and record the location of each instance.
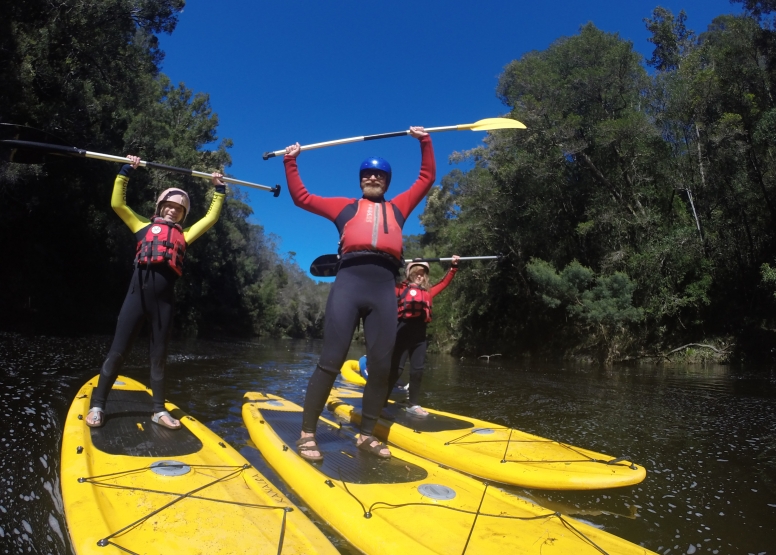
(162, 244)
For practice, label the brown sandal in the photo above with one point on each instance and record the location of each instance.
(375, 450)
(301, 448)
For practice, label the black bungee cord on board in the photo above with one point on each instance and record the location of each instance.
(610, 462)
(383, 505)
(236, 470)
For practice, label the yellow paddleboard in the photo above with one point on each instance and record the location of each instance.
(490, 451)
(408, 504)
(135, 487)
(351, 373)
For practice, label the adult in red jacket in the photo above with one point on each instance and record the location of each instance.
(370, 249)
(415, 298)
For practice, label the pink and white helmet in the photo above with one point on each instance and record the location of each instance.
(175, 195)
(414, 263)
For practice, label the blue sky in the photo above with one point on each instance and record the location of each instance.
(313, 71)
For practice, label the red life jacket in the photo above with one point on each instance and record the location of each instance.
(373, 228)
(163, 243)
(414, 302)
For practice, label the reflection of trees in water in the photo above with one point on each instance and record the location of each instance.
(704, 434)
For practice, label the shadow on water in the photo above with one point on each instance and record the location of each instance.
(705, 434)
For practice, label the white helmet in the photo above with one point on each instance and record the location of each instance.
(414, 263)
(175, 195)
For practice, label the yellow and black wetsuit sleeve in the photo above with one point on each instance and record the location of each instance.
(136, 222)
(196, 230)
(118, 202)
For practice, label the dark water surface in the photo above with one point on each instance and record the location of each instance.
(706, 434)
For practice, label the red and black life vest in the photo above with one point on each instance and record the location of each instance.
(373, 228)
(163, 243)
(415, 302)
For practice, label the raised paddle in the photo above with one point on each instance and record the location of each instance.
(326, 265)
(34, 152)
(487, 124)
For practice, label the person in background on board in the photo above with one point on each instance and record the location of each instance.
(415, 298)
(161, 247)
(363, 370)
(370, 249)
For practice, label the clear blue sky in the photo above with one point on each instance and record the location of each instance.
(313, 71)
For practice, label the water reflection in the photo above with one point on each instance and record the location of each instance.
(705, 434)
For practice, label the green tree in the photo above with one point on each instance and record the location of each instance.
(758, 8)
(89, 73)
(671, 38)
(576, 184)
(601, 307)
(666, 177)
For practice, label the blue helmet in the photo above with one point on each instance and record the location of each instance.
(376, 163)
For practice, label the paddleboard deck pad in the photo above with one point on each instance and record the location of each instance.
(343, 463)
(133, 486)
(128, 430)
(490, 451)
(407, 504)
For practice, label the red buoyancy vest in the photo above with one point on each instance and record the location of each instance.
(163, 243)
(373, 228)
(414, 302)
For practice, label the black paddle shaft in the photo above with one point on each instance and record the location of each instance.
(74, 151)
(47, 147)
(327, 265)
(269, 154)
(63, 150)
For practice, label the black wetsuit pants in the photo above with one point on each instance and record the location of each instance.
(410, 340)
(364, 289)
(150, 298)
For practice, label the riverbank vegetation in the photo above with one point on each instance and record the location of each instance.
(89, 73)
(636, 213)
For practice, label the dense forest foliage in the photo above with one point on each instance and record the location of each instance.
(636, 213)
(88, 72)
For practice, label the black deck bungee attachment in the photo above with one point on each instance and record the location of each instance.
(288, 426)
(128, 430)
(377, 505)
(235, 470)
(509, 441)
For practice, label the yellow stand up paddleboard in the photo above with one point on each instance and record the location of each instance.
(350, 373)
(490, 451)
(407, 504)
(133, 486)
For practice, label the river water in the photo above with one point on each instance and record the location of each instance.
(706, 434)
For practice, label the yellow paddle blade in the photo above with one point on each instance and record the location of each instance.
(488, 124)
